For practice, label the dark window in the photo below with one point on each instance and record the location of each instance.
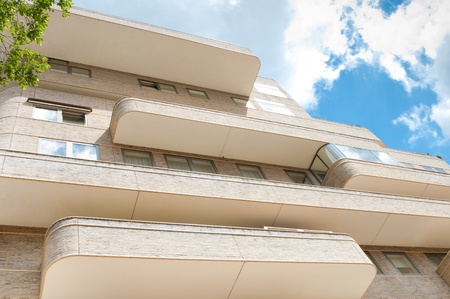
(191, 164)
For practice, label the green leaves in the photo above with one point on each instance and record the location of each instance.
(23, 22)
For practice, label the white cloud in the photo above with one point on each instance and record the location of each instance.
(418, 121)
(230, 2)
(326, 37)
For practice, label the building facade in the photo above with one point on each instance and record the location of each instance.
(159, 165)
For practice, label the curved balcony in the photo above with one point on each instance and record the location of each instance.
(38, 190)
(150, 51)
(91, 258)
(359, 169)
(166, 126)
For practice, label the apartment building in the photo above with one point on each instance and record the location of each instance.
(151, 163)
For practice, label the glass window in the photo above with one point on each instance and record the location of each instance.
(299, 177)
(63, 66)
(158, 86)
(436, 258)
(240, 102)
(73, 117)
(137, 157)
(251, 171)
(402, 263)
(46, 114)
(53, 147)
(269, 89)
(68, 149)
(379, 272)
(385, 158)
(78, 71)
(192, 164)
(58, 115)
(367, 155)
(84, 151)
(197, 93)
(167, 88)
(274, 107)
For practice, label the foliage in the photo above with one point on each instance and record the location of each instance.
(23, 22)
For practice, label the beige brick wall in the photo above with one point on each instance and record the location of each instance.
(20, 261)
(392, 284)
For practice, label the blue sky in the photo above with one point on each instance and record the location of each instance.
(383, 65)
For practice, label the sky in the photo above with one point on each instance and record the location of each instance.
(379, 64)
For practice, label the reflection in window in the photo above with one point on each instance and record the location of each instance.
(402, 263)
(190, 164)
(269, 89)
(68, 149)
(251, 171)
(60, 115)
(137, 157)
(275, 107)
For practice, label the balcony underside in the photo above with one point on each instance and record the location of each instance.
(89, 258)
(150, 51)
(165, 126)
(375, 177)
(38, 190)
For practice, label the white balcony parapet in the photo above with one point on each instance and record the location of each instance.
(94, 258)
(38, 190)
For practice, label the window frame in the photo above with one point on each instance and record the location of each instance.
(287, 171)
(403, 254)
(372, 259)
(157, 86)
(206, 97)
(69, 151)
(441, 256)
(190, 163)
(150, 156)
(60, 109)
(62, 115)
(68, 68)
(253, 166)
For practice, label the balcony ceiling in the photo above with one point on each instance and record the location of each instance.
(104, 41)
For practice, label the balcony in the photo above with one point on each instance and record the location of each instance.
(150, 51)
(38, 190)
(92, 258)
(166, 126)
(374, 171)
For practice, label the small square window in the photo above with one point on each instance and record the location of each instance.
(190, 164)
(82, 72)
(379, 272)
(158, 86)
(240, 102)
(137, 157)
(73, 117)
(402, 263)
(53, 147)
(274, 107)
(299, 177)
(59, 68)
(84, 151)
(45, 114)
(197, 93)
(251, 171)
(436, 258)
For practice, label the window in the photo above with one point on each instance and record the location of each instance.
(299, 177)
(275, 107)
(436, 258)
(63, 66)
(158, 86)
(197, 93)
(269, 89)
(379, 272)
(240, 102)
(68, 149)
(190, 164)
(137, 157)
(402, 263)
(251, 171)
(58, 112)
